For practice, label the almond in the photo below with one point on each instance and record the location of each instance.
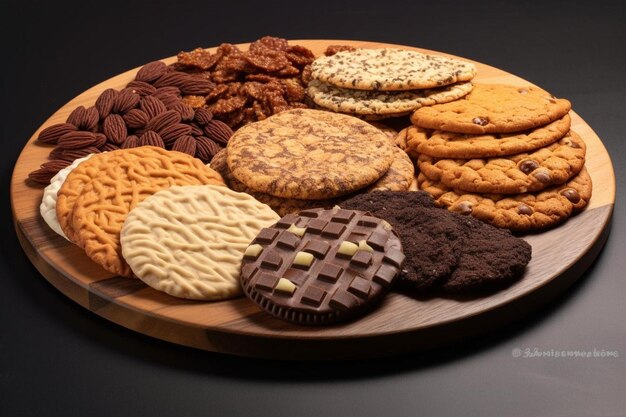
(76, 116)
(108, 147)
(163, 120)
(114, 128)
(151, 138)
(218, 131)
(206, 149)
(186, 112)
(104, 102)
(152, 106)
(196, 86)
(136, 118)
(125, 101)
(151, 71)
(73, 154)
(171, 133)
(131, 141)
(185, 144)
(51, 134)
(142, 88)
(174, 78)
(90, 120)
(203, 116)
(78, 139)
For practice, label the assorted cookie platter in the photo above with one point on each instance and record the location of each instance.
(319, 273)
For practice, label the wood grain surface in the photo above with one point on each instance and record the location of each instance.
(401, 323)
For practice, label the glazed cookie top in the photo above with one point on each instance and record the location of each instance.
(389, 69)
(364, 102)
(457, 145)
(519, 173)
(309, 154)
(494, 108)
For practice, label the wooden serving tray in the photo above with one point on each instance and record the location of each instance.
(401, 323)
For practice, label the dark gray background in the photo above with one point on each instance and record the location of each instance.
(58, 359)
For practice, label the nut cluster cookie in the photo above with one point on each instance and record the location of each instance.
(309, 155)
(321, 266)
(188, 241)
(376, 84)
(98, 194)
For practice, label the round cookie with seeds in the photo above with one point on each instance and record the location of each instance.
(526, 212)
(309, 154)
(121, 183)
(513, 174)
(390, 69)
(321, 266)
(189, 241)
(442, 144)
(364, 102)
(493, 108)
(48, 207)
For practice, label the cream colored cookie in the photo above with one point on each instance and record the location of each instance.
(135, 174)
(363, 102)
(189, 241)
(309, 154)
(48, 207)
(390, 69)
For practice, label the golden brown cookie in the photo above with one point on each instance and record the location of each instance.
(402, 142)
(493, 108)
(309, 154)
(398, 178)
(519, 212)
(513, 174)
(442, 144)
(135, 174)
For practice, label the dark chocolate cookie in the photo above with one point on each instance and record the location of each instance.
(432, 240)
(321, 266)
(485, 256)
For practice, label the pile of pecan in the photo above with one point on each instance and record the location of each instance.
(270, 77)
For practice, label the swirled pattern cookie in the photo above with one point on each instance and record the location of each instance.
(363, 102)
(493, 108)
(48, 207)
(518, 212)
(519, 173)
(189, 241)
(442, 144)
(390, 69)
(120, 184)
(309, 154)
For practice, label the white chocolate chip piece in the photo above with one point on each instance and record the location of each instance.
(386, 225)
(298, 231)
(364, 246)
(253, 250)
(303, 258)
(286, 286)
(347, 248)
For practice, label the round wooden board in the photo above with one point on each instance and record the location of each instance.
(400, 324)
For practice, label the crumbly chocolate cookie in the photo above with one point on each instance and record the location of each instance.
(442, 144)
(519, 212)
(390, 69)
(309, 154)
(431, 238)
(513, 174)
(494, 108)
(364, 102)
(321, 266)
(445, 249)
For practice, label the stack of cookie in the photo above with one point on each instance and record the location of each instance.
(304, 158)
(504, 154)
(382, 83)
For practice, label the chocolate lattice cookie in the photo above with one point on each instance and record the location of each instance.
(321, 266)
